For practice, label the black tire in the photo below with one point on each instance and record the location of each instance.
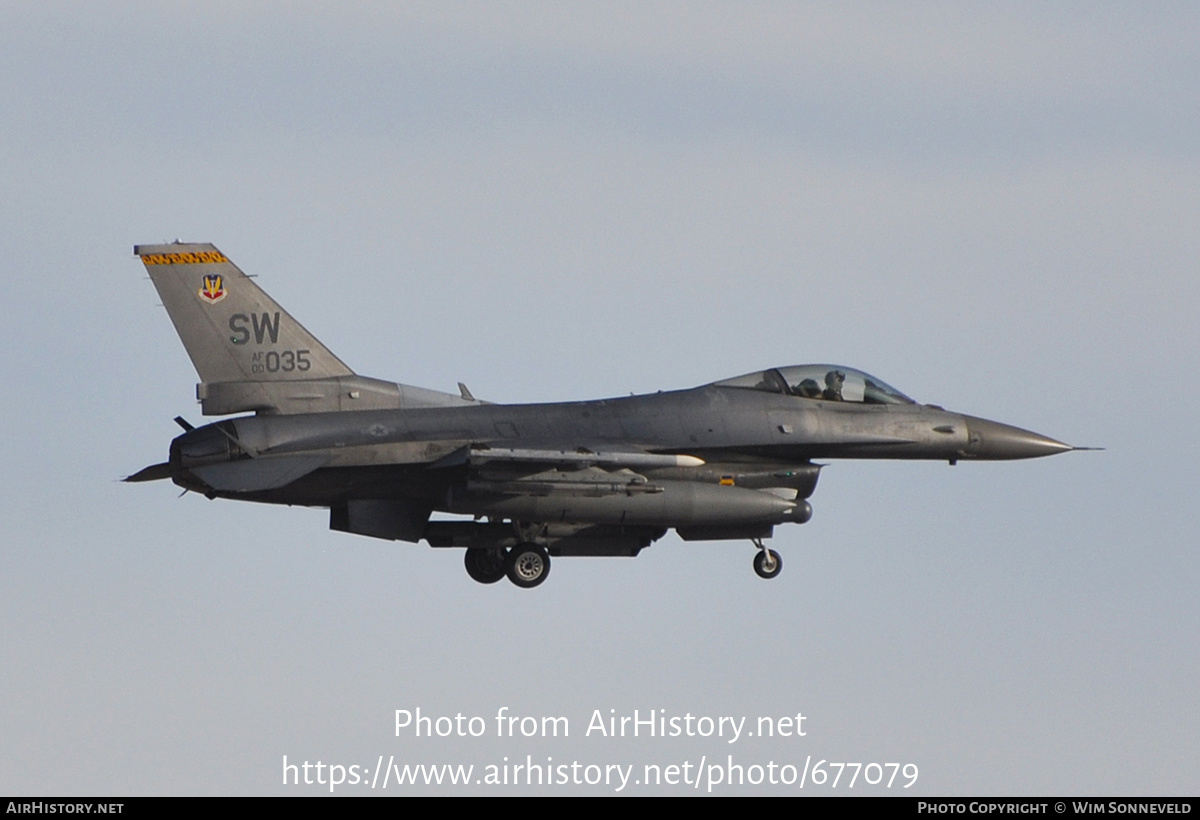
(487, 566)
(760, 564)
(527, 565)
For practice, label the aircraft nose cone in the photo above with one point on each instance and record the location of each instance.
(993, 440)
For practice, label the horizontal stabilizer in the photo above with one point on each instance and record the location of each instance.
(154, 472)
(258, 473)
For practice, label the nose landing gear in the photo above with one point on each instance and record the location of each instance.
(767, 562)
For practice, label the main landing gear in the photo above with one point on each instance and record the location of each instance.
(767, 563)
(526, 565)
(485, 565)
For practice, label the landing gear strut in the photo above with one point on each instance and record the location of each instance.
(767, 563)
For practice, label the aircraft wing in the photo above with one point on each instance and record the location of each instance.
(581, 457)
(479, 455)
(543, 472)
(589, 481)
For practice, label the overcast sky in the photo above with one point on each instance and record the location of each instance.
(993, 208)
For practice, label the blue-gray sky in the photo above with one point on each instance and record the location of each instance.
(992, 208)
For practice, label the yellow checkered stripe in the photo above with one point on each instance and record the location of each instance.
(201, 258)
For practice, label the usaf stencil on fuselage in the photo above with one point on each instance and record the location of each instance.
(729, 460)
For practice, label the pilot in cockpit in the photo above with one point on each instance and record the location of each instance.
(834, 380)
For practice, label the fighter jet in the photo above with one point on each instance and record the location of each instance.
(729, 460)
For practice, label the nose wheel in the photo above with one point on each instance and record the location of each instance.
(767, 563)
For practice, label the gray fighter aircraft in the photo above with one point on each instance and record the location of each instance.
(728, 460)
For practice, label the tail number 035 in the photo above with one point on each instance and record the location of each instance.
(283, 361)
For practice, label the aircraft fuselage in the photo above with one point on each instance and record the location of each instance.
(728, 460)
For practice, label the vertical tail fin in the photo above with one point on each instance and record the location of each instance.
(250, 353)
(233, 331)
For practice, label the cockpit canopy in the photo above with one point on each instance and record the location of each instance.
(828, 382)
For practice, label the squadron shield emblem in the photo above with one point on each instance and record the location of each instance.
(213, 289)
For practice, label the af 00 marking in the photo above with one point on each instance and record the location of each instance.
(266, 326)
(276, 361)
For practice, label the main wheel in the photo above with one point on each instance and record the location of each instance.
(527, 565)
(484, 565)
(767, 563)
